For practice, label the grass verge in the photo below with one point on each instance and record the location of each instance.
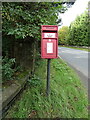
(67, 98)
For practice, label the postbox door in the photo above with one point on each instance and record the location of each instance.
(49, 48)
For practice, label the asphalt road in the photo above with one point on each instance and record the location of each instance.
(78, 60)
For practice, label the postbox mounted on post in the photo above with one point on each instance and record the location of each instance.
(49, 41)
(49, 47)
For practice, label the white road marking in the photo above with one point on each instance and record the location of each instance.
(60, 57)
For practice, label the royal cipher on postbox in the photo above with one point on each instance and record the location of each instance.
(49, 41)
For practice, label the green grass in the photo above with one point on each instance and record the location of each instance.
(67, 99)
(85, 49)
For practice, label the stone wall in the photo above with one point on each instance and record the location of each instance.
(24, 52)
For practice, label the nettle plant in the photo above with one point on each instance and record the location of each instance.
(7, 69)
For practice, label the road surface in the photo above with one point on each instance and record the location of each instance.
(77, 59)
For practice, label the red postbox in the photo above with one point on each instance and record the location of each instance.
(49, 41)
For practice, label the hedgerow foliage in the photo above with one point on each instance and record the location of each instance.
(23, 19)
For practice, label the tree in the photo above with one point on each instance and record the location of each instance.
(24, 19)
(63, 34)
(78, 30)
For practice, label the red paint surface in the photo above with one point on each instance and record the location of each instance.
(44, 41)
